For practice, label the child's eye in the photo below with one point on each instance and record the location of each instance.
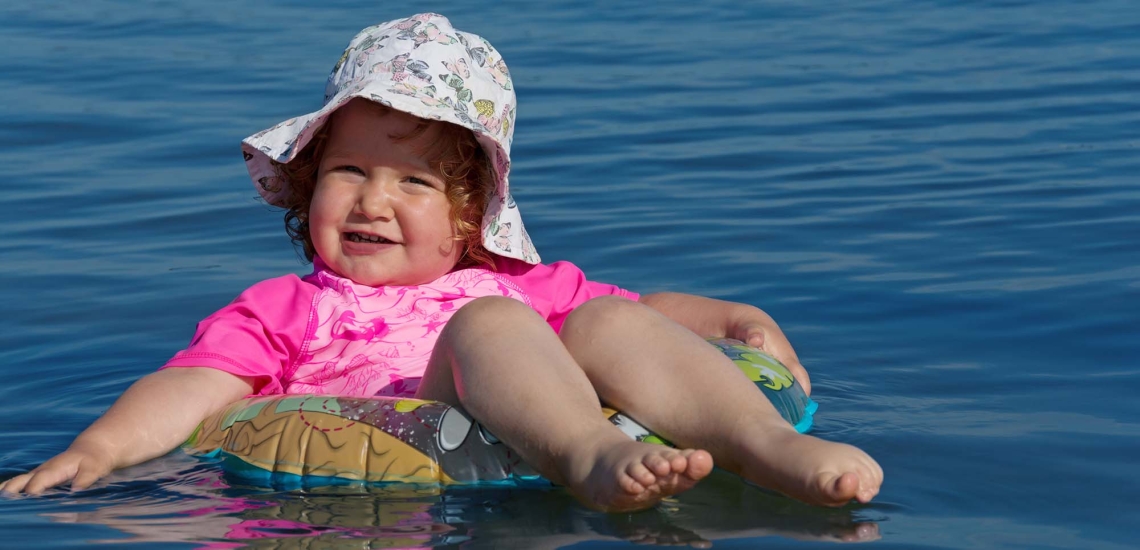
(350, 168)
(421, 181)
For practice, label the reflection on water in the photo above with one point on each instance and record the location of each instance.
(178, 499)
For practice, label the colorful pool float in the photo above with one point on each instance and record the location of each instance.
(307, 440)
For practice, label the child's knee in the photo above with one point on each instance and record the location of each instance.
(489, 314)
(607, 315)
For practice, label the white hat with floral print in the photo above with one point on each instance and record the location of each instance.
(422, 66)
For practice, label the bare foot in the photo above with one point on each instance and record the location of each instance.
(619, 475)
(806, 468)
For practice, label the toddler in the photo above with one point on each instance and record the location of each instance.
(426, 285)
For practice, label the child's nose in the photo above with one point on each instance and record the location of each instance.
(378, 199)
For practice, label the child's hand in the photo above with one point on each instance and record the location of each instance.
(720, 319)
(79, 465)
(759, 330)
(151, 418)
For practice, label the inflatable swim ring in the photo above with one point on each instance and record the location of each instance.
(305, 440)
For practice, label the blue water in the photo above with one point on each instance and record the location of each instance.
(938, 200)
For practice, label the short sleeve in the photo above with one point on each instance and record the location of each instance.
(258, 335)
(556, 289)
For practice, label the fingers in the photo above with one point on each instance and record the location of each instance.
(800, 373)
(87, 475)
(44, 479)
(81, 471)
(754, 337)
(15, 484)
(770, 339)
(34, 482)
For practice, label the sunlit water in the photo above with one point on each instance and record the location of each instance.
(938, 201)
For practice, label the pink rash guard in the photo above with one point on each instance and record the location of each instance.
(326, 334)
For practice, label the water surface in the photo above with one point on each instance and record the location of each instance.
(937, 200)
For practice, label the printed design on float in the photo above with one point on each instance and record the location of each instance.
(387, 439)
(374, 440)
(760, 367)
(631, 428)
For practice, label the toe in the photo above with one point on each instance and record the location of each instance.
(639, 473)
(678, 463)
(865, 494)
(658, 464)
(845, 488)
(630, 485)
(869, 481)
(698, 464)
(836, 489)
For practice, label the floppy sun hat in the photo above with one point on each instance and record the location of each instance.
(422, 66)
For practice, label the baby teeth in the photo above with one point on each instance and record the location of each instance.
(367, 238)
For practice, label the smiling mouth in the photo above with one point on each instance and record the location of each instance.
(370, 239)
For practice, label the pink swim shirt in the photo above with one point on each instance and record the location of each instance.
(326, 334)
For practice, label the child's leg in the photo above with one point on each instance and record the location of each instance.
(679, 386)
(499, 360)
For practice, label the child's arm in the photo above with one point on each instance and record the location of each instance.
(711, 318)
(154, 415)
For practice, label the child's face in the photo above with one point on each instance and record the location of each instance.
(379, 214)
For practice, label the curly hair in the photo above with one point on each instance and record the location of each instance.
(455, 154)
